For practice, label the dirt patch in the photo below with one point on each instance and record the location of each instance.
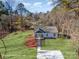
(31, 42)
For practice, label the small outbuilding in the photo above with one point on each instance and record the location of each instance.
(47, 32)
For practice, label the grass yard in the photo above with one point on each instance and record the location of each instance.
(17, 50)
(65, 45)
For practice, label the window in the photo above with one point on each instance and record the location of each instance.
(54, 34)
(46, 35)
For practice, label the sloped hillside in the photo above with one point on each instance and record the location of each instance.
(17, 50)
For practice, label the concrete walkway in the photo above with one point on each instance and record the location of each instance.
(49, 54)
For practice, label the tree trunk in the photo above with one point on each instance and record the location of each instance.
(78, 53)
(1, 56)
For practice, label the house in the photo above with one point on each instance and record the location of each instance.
(46, 32)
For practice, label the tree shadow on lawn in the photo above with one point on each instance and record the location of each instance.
(18, 45)
(15, 47)
(12, 46)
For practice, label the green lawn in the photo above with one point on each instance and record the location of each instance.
(17, 50)
(65, 45)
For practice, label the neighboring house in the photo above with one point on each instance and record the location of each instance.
(47, 32)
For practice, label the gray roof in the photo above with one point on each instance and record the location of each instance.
(50, 29)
